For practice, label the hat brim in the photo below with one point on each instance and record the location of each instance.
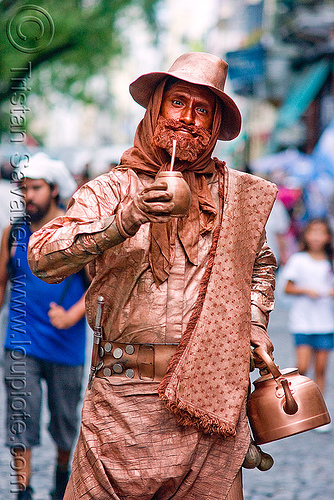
(142, 89)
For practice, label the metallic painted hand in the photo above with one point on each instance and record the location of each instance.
(152, 204)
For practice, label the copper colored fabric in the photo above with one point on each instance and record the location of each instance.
(122, 274)
(235, 492)
(129, 441)
(214, 405)
(139, 451)
(145, 157)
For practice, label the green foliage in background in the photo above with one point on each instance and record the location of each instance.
(70, 39)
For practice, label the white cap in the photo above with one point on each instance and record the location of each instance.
(41, 166)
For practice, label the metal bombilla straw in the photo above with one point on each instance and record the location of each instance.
(173, 156)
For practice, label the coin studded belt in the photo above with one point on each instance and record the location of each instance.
(147, 362)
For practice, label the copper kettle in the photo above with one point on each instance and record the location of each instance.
(284, 403)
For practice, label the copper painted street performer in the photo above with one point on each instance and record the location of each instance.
(189, 293)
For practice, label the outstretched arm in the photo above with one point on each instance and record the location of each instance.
(52, 263)
(100, 216)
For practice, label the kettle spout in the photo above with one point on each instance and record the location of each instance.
(290, 406)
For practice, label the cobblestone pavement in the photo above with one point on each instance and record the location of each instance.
(303, 468)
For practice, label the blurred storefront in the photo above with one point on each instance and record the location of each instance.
(287, 65)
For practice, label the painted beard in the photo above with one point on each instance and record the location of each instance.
(188, 148)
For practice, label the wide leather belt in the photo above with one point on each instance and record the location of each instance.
(147, 362)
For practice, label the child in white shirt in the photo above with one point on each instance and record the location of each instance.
(310, 280)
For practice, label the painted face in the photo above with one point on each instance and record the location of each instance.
(190, 104)
(38, 196)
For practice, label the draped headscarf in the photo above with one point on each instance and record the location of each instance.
(146, 158)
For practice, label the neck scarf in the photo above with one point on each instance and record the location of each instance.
(144, 157)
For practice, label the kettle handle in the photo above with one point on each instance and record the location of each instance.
(290, 406)
(268, 361)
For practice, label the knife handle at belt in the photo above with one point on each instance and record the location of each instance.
(96, 340)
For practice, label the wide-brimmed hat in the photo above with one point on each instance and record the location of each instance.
(199, 68)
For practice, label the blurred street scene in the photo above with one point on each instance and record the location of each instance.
(64, 82)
